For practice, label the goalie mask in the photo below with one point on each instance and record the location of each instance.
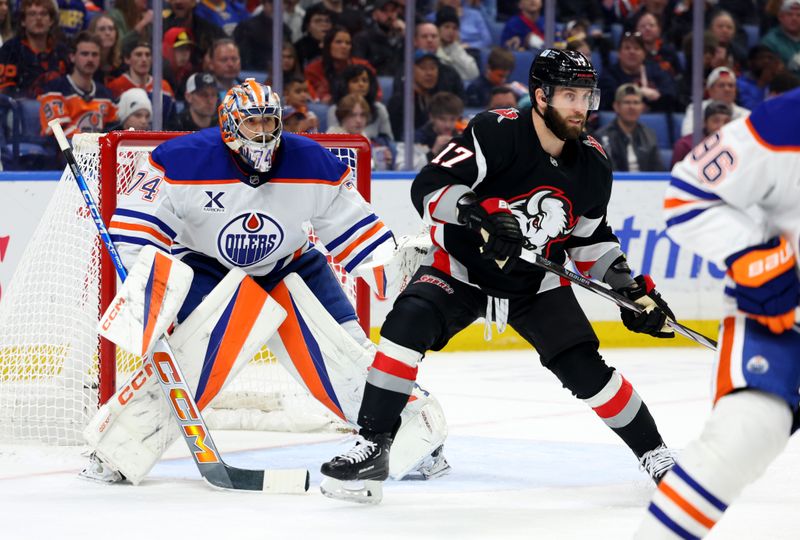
(250, 122)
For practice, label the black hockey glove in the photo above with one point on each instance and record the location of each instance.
(499, 228)
(652, 320)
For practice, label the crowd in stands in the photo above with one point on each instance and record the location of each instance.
(89, 65)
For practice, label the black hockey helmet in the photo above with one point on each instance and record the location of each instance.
(554, 67)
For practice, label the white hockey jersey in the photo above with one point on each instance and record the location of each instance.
(192, 196)
(741, 185)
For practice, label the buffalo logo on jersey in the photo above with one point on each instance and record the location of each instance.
(545, 216)
(511, 114)
(249, 239)
(593, 143)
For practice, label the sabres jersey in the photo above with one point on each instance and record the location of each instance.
(77, 111)
(741, 185)
(560, 203)
(193, 196)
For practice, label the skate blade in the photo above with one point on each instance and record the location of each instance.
(438, 470)
(357, 491)
(103, 479)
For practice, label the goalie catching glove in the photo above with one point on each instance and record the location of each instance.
(765, 283)
(493, 219)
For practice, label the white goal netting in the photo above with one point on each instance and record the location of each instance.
(50, 374)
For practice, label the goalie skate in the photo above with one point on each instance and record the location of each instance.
(434, 466)
(358, 475)
(98, 471)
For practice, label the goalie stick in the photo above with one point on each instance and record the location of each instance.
(177, 393)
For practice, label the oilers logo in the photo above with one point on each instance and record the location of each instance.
(757, 365)
(249, 239)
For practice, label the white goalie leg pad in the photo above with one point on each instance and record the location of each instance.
(346, 359)
(744, 434)
(147, 303)
(423, 429)
(132, 431)
(320, 355)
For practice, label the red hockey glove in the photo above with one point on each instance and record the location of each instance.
(766, 284)
(497, 225)
(653, 319)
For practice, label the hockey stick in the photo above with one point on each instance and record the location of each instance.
(610, 294)
(177, 393)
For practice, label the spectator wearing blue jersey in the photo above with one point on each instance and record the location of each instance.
(524, 31)
(753, 85)
(475, 31)
(71, 17)
(225, 14)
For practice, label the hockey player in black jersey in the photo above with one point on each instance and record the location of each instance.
(515, 179)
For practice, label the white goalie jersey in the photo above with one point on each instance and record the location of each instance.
(192, 197)
(741, 185)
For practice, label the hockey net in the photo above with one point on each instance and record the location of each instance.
(55, 370)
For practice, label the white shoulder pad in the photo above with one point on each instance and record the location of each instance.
(148, 302)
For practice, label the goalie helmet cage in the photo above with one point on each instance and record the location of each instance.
(55, 370)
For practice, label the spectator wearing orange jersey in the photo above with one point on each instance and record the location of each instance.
(79, 103)
(138, 56)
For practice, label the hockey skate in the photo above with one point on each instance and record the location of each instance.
(358, 474)
(98, 471)
(657, 462)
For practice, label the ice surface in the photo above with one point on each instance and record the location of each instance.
(529, 461)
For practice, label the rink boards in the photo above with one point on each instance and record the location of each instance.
(690, 284)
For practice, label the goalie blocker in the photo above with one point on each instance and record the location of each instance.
(131, 431)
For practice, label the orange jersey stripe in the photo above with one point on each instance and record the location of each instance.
(292, 337)
(141, 228)
(672, 203)
(686, 506)
(724, 382)
(161, 268)
(250, 299)
(358, 241)
(154, 164)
